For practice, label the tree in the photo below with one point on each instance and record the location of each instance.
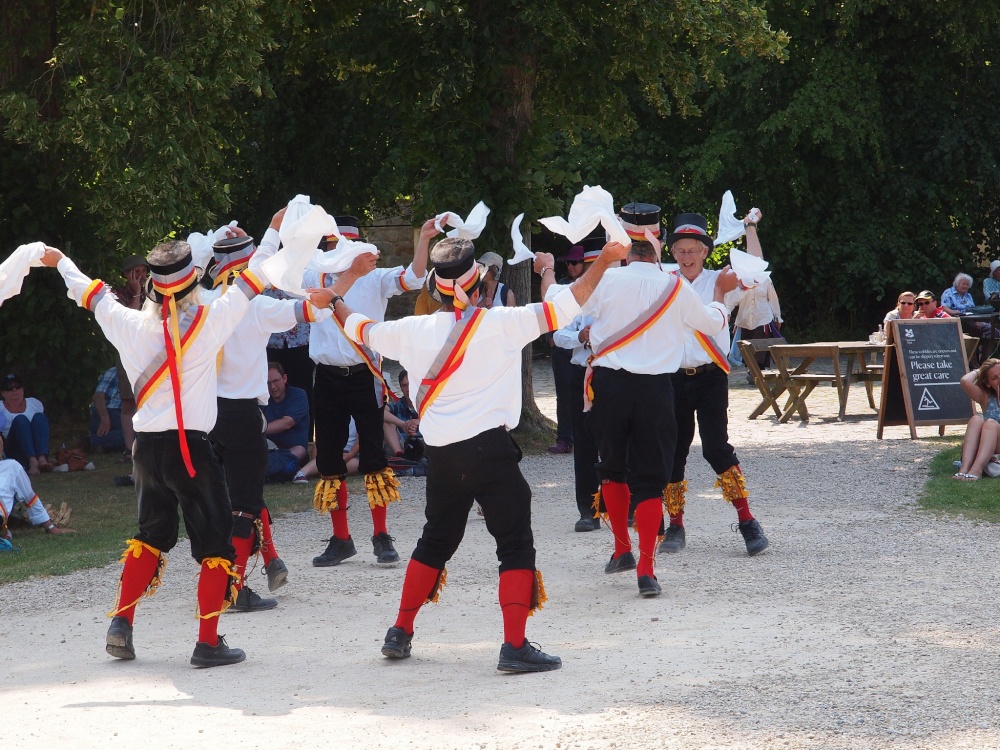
(479, 86)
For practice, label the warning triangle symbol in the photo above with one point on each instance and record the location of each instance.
(927, 402)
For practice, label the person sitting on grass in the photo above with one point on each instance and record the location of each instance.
(15, 488)
(982, 434)
(25, 427)
(105, 423)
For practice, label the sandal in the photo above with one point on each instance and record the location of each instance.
(965, 477)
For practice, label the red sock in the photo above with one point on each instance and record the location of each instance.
(339, 516)
(136, 575)
(742, 505)
(648, 516)
(515, 604)
(417, 586)
(243, 547)
(212, 585)
(378, 520)
(677, 520)
(267, 549)
(616, 500)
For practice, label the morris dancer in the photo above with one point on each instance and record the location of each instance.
(701, 387)
(239, 430)
(465, 369)
(637, 338)
(169, 350)
(347, 376)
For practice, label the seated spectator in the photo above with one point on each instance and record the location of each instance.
(25, 427)
(15, 488)
(957, 298)
(928, 307)
(991, 284)
(105, 423)
(982, 433)
(402, 425)
(904, 309)
(287, 415)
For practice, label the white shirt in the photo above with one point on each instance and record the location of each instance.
(568, 337)
(369, 296)
(138, 337)
(244, 357)
(758, 305)
(626, 293)
(15, 487)
(694, 354)
(32, 406)
(485, 391)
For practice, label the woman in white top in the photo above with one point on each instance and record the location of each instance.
(495, 294)
(25, 427)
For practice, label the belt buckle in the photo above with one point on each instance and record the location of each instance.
(345, 370)
(690, 370)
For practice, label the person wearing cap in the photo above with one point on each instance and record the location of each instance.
(574, 341)
(25, 426)
(928, 307)
(562, 375)
(701, 391)
(132, 294)
(494, 292)
(641, 316)
(242, 389)
(15, 488)
(170, 351)
(350, 384)
(465, 369)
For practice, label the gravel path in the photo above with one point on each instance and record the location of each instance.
(867, 624)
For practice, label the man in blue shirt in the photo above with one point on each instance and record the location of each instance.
(105, 423)
(287, 415)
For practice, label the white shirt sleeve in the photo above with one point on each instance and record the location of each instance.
(277, 315)
(568, 337)
(710, 319)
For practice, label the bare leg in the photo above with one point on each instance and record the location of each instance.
(970, 446)
(391, 437)
(987, 447)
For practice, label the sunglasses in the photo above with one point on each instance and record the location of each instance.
(908, 304)
(923, 302)
(13, 387)
(574, 262)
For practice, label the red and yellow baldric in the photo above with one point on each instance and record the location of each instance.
(628, 334)
(374, 361)
(707, 342)
(449, 359)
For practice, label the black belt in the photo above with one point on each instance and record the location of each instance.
(344, 371)
(698, 369)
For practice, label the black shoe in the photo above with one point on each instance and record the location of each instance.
(623, 562)
(337, 551)
(119, 639)
(385, 553)
(249, 600)
(277, 574)
(216, 656)
(649, 586)
(753, 535)
(528, 658)
(587, 523)
(673, 540)
(397, 644)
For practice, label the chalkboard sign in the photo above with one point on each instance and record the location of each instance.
(924, 368)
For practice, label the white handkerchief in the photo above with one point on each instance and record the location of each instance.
(16, 268)
(593, 206)
(521, 251)
(470, 229)
(297, 208)
(300, 245)
(730, 228)
(201, 244)
(340, 259)
(749, 269)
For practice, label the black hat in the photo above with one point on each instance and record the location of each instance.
(175, 279)
(348, 228)
(593, 243)
(690, 227)
(638, 217)
(9, 380)
(230, 254)
(133, 261)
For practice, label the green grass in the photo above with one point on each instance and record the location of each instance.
(979, 500)
(104, 517)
